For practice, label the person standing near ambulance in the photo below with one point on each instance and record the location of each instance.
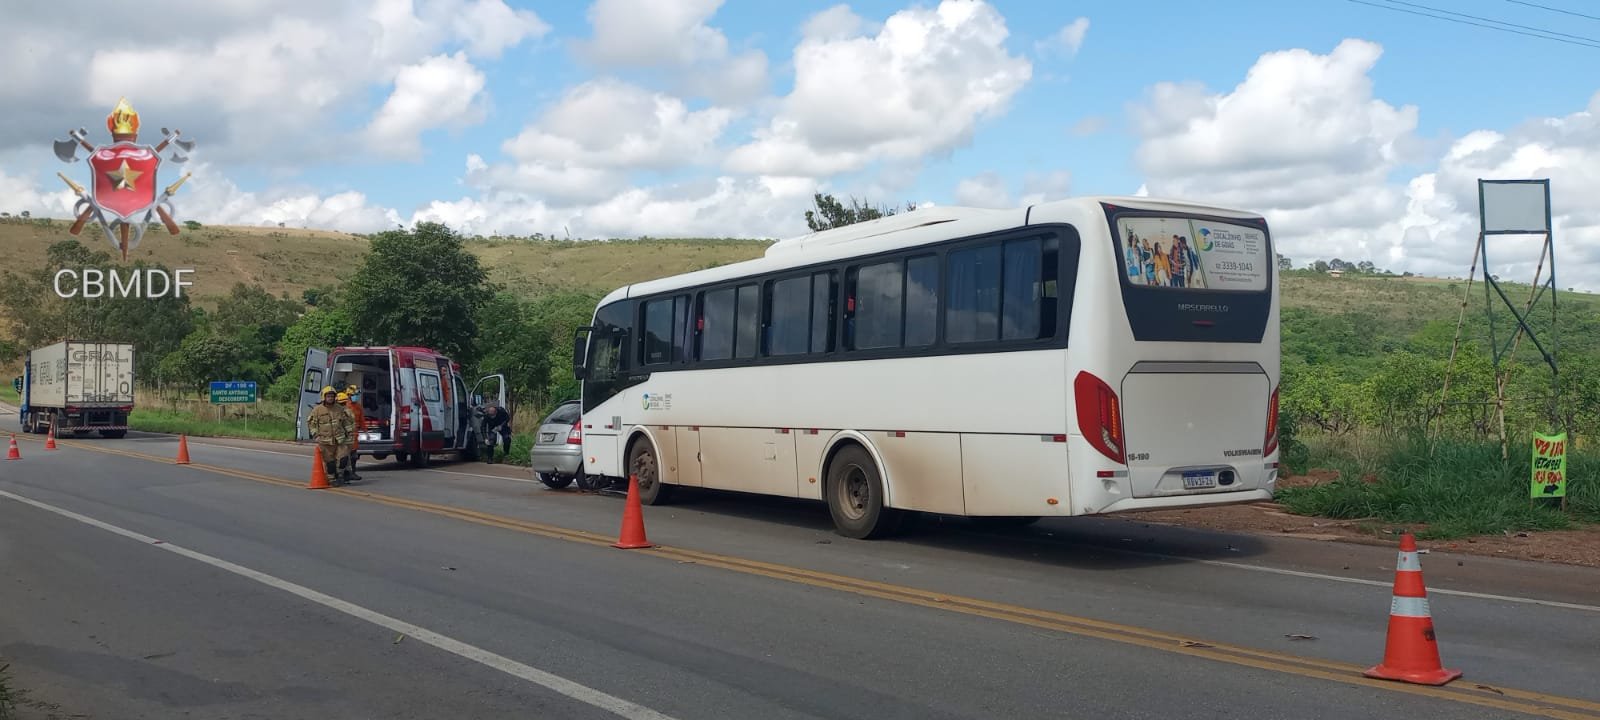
(332, 427)
(358, 419)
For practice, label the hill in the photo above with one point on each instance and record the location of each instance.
(292, 260)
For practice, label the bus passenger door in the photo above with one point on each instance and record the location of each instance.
(312, 380)
(601, 419)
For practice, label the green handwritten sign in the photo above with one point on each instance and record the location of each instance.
(1549, 466)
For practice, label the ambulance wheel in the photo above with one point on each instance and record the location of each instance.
(419, 459)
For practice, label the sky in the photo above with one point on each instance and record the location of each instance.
(1358, 128)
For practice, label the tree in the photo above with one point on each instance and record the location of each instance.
(514, 344)
(322, 327)
(827, 212)
(155, 326)
(204, 356)
(1320, 266)
(419, 287)
(256, 321)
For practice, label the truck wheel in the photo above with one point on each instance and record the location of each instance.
(855, 496)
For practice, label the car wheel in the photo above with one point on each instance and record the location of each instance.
(554, 481)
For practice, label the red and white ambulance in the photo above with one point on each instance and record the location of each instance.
(414, 400)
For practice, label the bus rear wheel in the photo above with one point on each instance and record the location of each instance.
(855, 497)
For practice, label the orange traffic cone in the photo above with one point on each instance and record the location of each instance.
(319, 477)
(50, 439)
(13, 453)
(1412, 652)
(183, 450)
(632, 520)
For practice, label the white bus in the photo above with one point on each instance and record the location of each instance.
(1085, 356)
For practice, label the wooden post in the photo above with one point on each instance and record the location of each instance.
(1455, 344)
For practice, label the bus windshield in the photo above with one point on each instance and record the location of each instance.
(1192, 254)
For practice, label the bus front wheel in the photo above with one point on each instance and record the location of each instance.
(856, 496)
(642, 464)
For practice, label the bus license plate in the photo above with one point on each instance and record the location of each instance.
(1199, 480)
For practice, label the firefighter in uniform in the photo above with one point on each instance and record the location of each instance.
(351, 399)
(332, 427)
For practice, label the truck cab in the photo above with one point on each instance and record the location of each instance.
(415, 402)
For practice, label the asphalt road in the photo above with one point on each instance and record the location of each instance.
(134, 588)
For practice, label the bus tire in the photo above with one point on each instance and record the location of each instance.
(642, 463)
(855, 496)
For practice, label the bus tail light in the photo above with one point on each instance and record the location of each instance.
(1271, 442)
(1099, 415)
(575, 435)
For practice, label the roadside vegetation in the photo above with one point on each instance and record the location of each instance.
(1364, 353)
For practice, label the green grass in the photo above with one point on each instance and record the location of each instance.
(8, 395)
(8, 699)
(181, 422)
(1462, 489)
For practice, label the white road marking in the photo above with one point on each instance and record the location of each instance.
(1351, 580)
(576, 691)
(1378, 583)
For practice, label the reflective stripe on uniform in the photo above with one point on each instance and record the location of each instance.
(1409, 561)
(1409, 607)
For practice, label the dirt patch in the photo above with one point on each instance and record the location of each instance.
(1571, 547)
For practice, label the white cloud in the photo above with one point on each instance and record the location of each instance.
(439, 91)
(985, 190)
(672, 38)
(1304, 140)
(241, 75)
(582, 148)
(919, 87)
(1068, 40)
(990, 190)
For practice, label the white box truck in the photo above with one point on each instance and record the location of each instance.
(78, 387)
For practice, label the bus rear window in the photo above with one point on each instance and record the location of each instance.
(1190, 254)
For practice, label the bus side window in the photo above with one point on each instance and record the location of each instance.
(824, 294)
(879, 312)
(715, 324)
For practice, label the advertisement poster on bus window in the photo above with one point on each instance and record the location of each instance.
(1193, 254)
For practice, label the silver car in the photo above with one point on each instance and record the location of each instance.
(557, 455)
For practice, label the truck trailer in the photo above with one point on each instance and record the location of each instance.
(78, 387)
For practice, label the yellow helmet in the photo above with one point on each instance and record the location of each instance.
(351, 389)
(341, 397)
(328, 389)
